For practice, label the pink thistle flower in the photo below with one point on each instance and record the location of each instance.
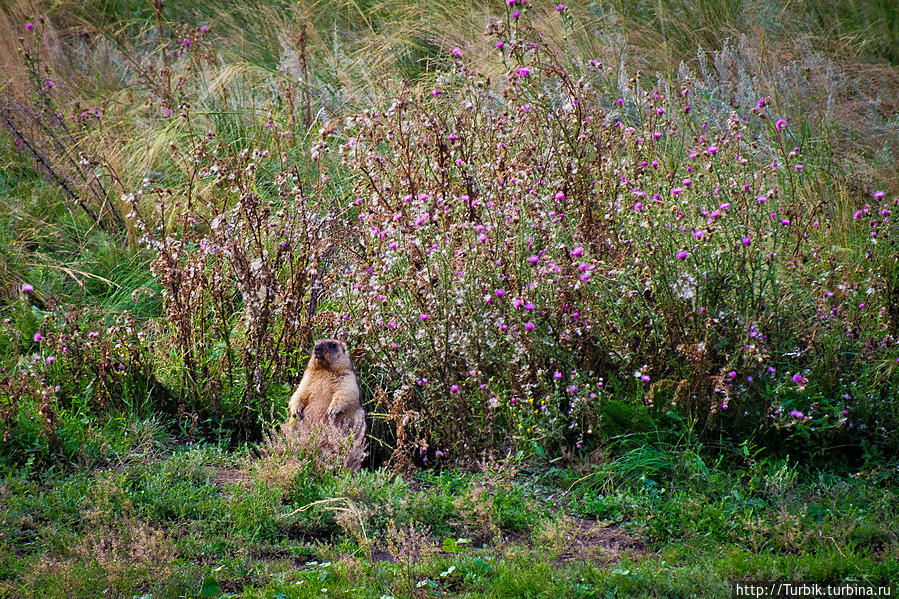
(645, 378)
(682, 255)
(50, 359)
(29, 26)
(879, 194)
(780, 124)
(560, 8)
(529, 306)
(676, 191)
(529, 326)
(38, 337)
(858, 214)
(26, 287)
(797, 378)
(454, 388)
(500, 292)
(796, 414)
(577, 251)
(49, 83)
(457, 52)
(523, 71)
(747, 241)
(560, 195)
(500, 45)
(557, 375)
(424, 316)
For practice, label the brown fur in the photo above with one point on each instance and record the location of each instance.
(325, 408)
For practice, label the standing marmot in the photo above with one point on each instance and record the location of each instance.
(325, 407)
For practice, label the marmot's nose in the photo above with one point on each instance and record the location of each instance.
(318, 351)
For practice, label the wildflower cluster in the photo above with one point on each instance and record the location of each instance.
(518, 246)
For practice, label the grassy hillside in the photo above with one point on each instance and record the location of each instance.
(619, 279)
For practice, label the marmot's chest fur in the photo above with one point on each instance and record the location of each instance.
(324, 387)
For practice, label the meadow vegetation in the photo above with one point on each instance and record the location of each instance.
(620, 279)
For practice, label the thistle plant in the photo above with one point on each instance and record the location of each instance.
(528, 246)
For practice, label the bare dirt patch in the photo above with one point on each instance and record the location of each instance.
(575, 540)
(588, 540)
(228, 476)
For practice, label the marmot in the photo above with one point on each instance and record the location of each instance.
(325, 407)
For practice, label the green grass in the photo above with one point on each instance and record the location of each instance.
(170, 525)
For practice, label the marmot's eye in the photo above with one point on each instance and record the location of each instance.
(332, 346)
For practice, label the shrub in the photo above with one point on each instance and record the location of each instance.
(525, 252)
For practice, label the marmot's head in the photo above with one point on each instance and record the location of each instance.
(331, 354)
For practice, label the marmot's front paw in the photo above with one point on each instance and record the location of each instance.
(333, 411)
(297, 414)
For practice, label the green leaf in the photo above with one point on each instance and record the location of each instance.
(210, 588)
